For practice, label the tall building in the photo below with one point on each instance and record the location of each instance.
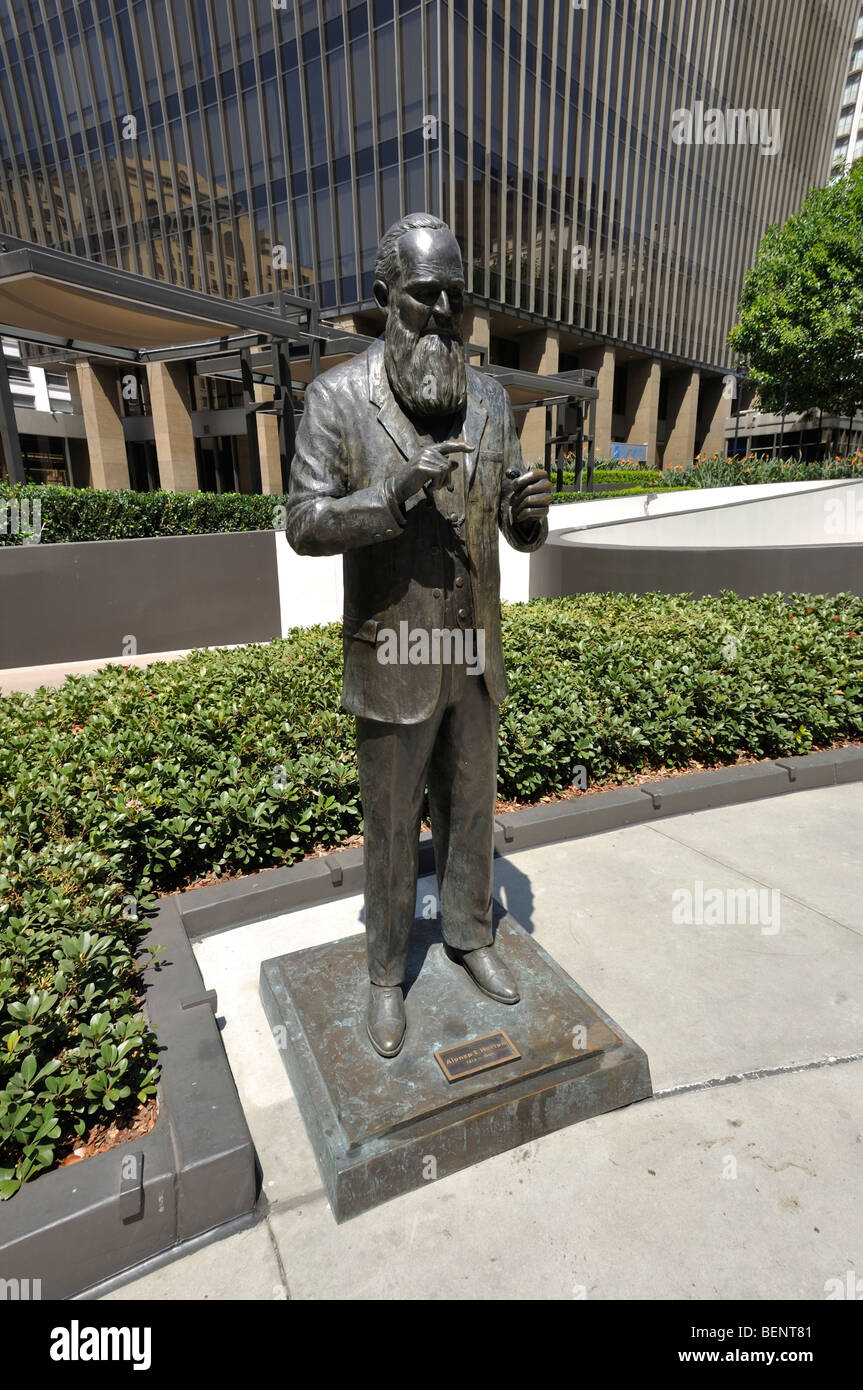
(849, 128)
(609, 167)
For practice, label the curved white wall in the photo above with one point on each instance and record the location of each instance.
(764, 516)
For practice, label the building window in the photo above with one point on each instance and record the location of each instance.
(504, 352)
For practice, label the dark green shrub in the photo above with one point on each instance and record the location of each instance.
(91, 514)
(558, 497)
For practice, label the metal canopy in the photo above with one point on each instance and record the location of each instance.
(82, 307)
(525, 389)
(50, 296)
(79, 306)
(529, 388)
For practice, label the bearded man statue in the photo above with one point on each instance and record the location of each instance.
(408, 463)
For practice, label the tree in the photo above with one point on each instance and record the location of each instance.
(801, 307)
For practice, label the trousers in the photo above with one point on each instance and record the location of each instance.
(454, 753)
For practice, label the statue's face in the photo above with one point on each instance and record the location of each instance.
(430, 296)
(423, 347)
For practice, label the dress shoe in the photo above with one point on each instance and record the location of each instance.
(385, 1019)
(489, 973)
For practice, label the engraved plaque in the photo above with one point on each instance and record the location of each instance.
(467, 1058)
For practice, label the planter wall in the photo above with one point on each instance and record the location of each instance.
(749, 571)
(195, 1171)
(86, 600)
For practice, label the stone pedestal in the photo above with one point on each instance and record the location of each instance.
(380, 1127)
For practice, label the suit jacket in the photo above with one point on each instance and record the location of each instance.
(352, 440)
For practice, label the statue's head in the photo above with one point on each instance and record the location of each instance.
(419, 284)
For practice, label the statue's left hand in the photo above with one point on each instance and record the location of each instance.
(531, 496)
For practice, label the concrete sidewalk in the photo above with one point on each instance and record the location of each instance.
(739, 1179)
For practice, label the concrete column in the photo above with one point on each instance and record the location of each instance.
(601, 361)
(642, 406)
(540, 352)
(74, 383)
(476, 327)
(96, 386)
(172, 426)
(268, 444)
(682, 418)
(714, 411)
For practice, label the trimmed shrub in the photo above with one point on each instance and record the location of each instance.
(91, 514)
(558, 497)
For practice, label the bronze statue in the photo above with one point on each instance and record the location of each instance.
(407, 462)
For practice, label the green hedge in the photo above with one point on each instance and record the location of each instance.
(90, 514)
(628, 477)
(132, 782)
(558, 497)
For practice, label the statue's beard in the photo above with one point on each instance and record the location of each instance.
(426, 371)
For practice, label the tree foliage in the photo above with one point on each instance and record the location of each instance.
(801, 308)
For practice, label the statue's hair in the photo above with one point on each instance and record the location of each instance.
(387, 263)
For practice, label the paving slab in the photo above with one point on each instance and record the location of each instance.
(244, 1266)
(640, 1203)
(703, 999)
(810, 844)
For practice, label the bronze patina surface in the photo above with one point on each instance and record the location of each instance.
(408, 463)
(379, 1131)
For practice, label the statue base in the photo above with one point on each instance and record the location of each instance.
(382, 1127)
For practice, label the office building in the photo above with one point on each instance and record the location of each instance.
(609, 167)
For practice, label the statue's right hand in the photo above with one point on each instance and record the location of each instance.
(430, 468)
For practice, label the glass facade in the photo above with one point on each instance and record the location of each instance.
(849, 129)
(236, 145)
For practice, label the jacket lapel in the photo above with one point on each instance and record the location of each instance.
(390, 413)
(475, 421)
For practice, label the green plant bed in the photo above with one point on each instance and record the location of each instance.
(91, 514)
(720, 471)
(130, 782)
(559, 497)
(629, 477)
